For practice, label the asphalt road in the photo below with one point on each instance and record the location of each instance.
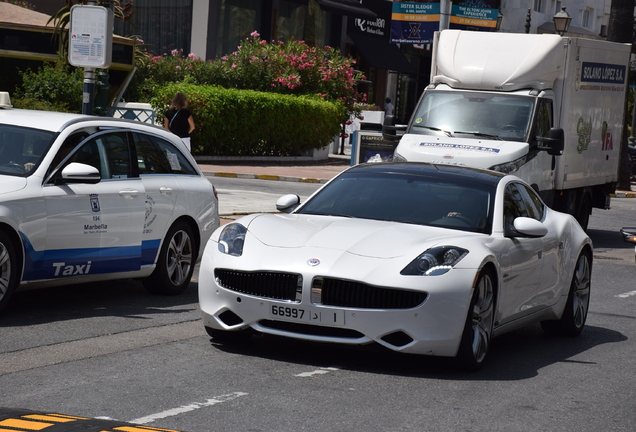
(110, 350)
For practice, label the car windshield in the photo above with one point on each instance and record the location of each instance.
(406, 198)
(464, 114)
(22, 149)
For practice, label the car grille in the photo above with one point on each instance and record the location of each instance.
(280, 286)
(345, 293)
(324, 291)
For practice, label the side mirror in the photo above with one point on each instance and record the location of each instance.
(79, 173)
(554, 144)
(390, 131)
(629, 234)
(526, 227)
(287, 203)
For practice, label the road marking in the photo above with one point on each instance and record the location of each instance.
(187, 408)
(627, 294)
(320, 371)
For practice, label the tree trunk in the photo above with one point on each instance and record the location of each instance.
(621, 29)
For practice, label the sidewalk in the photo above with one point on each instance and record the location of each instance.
(309, 172)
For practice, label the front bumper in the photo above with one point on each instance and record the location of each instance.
(432, 327)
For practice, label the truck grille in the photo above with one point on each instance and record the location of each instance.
(345, 293)
(280, 286)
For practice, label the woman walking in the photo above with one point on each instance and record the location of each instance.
(178, 118)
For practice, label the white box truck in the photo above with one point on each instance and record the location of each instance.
(546, 108)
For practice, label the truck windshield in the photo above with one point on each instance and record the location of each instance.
(463, 114)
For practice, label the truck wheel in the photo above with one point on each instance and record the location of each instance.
(8, 269)
(583, 216)
(175, 263)
(475, 342)
(575, 313)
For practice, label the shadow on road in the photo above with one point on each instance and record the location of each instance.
(608, 239)
(122, 298)
(514, 356)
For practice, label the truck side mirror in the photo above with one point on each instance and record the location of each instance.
(390, 131)
(554, 144)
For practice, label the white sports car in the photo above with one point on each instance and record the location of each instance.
(419, 258)
(94, 198)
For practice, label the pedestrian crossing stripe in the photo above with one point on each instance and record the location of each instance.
(19, 420)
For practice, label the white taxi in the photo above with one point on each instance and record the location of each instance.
(86, 198)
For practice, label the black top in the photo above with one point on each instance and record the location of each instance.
(178, 120)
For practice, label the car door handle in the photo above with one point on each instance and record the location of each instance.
(165, 189)
(129, 193)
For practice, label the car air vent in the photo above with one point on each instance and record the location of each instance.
(345, 293)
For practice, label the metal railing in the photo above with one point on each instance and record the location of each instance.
(138, 114)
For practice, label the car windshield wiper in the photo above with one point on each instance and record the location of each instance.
(448, 133)
(485, 135)
(327, 214)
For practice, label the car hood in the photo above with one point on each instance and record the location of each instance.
(369, 238)
(11, 184)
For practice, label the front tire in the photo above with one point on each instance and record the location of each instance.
(8, 269)
(577, 305)
(175, 264)
(475, 342)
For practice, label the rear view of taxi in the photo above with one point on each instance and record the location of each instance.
(92, 198)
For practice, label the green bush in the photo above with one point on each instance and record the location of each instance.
(233, 122)
(33, 104)
(57, 85)
(291, 67)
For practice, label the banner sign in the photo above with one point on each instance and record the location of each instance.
(414, 23)
(473, 18)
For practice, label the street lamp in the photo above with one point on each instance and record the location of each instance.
(561, 22)
(499, 19)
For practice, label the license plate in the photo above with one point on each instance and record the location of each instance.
(307, 314)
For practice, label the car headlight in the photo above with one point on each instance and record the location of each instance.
(435, 261)
(509, 167)
(398, 157)
(232, 239)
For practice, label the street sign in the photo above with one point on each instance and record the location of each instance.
(90, 37)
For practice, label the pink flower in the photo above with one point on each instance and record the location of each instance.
(254, 34)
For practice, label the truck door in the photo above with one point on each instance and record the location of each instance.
(539, 169)
(95, 228)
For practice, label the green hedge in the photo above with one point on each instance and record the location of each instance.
(232, 122)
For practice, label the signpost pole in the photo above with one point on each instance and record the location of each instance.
(88, 91)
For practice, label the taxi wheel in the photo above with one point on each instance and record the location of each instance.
(8, 269)
(175, 263)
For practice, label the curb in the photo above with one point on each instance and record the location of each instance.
(623, 195)
(266, 177)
